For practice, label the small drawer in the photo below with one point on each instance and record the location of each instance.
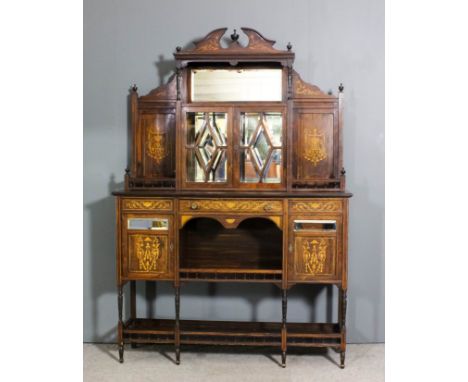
(231, 205)
(147, 204)
(316, 205)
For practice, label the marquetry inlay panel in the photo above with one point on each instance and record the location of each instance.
(148, 204)
(316, 206)
(148, 253)
(231, 205)
(315, 256)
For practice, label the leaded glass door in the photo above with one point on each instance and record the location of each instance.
(207, 149)
(260, 149)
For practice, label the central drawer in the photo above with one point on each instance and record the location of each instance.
(231, 205)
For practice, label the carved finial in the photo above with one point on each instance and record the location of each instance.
(134, 88)
(178, 48)
(343, 171)
(289, 46)
(341, 88)
(234, 36)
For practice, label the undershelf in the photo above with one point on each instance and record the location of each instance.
(236, 275)
(232, 333)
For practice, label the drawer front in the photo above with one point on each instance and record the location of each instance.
(231, 205)
(147, 204)
(315, 205)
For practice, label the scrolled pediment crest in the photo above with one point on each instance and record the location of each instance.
(211, 43)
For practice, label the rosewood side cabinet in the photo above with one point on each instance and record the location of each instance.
(236, 175)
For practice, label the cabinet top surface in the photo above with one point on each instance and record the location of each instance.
(231, 194)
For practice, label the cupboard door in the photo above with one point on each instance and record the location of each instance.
(206, 149)
(315, 249)
(147, 247)
(261, 147)
(316, 160)
(157, 136)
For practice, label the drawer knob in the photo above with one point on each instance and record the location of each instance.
(194, 206)
(268, 207)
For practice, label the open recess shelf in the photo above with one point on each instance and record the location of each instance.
(252, 251)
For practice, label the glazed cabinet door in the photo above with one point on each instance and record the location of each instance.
(259, 147)
(147, 246)
(315, 248)
(206, 148)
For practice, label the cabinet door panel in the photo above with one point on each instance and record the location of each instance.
(316, 136)
(315, 250)
(157, 134)
(148, 253)
(314, 255)
(206, 148)
(147, 246)
(316, 144)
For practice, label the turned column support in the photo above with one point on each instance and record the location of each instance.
(120, 324)
(283, 327)
(133, 305)
(343, 301)
(177, 324)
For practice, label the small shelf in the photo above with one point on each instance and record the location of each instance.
(226, 275)
(232, 333)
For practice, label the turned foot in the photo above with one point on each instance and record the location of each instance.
(342, 359)
(283, 359)
(177, 353)
(121, 352)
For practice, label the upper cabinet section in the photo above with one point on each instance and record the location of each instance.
(236, 116)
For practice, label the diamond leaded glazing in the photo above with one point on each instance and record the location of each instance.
(260, 138)
(209, 145)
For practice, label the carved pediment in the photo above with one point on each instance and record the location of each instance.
(211, 44)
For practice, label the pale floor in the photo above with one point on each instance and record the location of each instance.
(364, 363)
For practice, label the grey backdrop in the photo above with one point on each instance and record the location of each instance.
(128, 42)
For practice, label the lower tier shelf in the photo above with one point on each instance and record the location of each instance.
(231, 333)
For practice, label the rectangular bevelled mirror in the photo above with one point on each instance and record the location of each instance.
(148, 223)
(231, 85)
(315, 225)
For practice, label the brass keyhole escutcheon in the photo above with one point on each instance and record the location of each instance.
(194, 206)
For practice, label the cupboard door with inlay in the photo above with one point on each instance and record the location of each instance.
(147, 247)
(316, 160)
(315, 248)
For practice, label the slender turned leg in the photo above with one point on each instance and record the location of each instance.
(177, 324)
(133, 305)
(283, 328)
(120, 325)
(343, 305)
